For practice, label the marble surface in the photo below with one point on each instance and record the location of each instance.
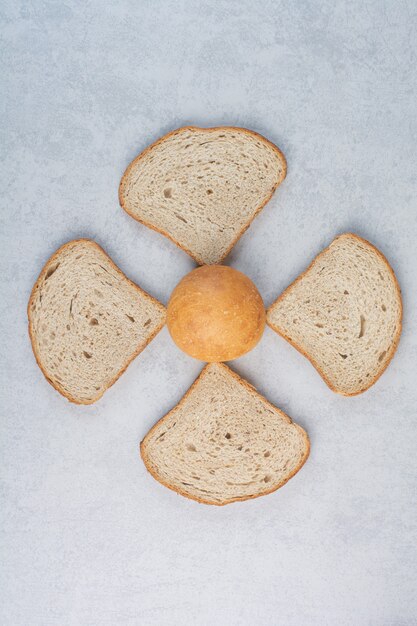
(88, 538)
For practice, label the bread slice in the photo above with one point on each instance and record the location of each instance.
(344, 314)
(202, 187)
(224, 442)
(87, 321)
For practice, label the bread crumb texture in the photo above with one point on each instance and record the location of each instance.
(344, 313)
(87, 321)
(224, 442)
(202, 187)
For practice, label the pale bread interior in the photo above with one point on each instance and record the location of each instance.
(87, 321)
(224, 442)
(344, 313)
(202, 187)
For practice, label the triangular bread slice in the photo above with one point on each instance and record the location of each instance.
(202, 187)
(87, 321)
(343, 313)
(224, 442)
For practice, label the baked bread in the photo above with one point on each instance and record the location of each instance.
(224, 442)
(344, 314)
(215, 313)
(202, 187)
(87, 321)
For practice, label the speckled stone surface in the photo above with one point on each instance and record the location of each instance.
(88, 538)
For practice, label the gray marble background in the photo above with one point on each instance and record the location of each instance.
(88, 537)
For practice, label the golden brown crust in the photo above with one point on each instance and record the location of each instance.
(208, 130)
(216, 313)
(31, 334)
(253, 390)
(309, 357)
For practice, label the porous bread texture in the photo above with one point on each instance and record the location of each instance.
(344, 314)
(202, 187)
(87, 321)
(224, 442)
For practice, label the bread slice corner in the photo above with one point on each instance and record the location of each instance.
(88, 321)
(202, 187)
(344, 313)
(224, 442)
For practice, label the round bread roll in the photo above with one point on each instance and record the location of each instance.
(215, 313)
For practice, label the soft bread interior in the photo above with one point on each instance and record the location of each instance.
(202, 187)
(344, 313)
(224, 442)
(87, 321)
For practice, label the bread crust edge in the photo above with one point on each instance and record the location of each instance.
(253, 390)
(310, 358)
(31, 331)
(161, 231)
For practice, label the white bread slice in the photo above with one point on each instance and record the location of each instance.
(202, 187)
(224, 442)
(87, 321)
(343, 313)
